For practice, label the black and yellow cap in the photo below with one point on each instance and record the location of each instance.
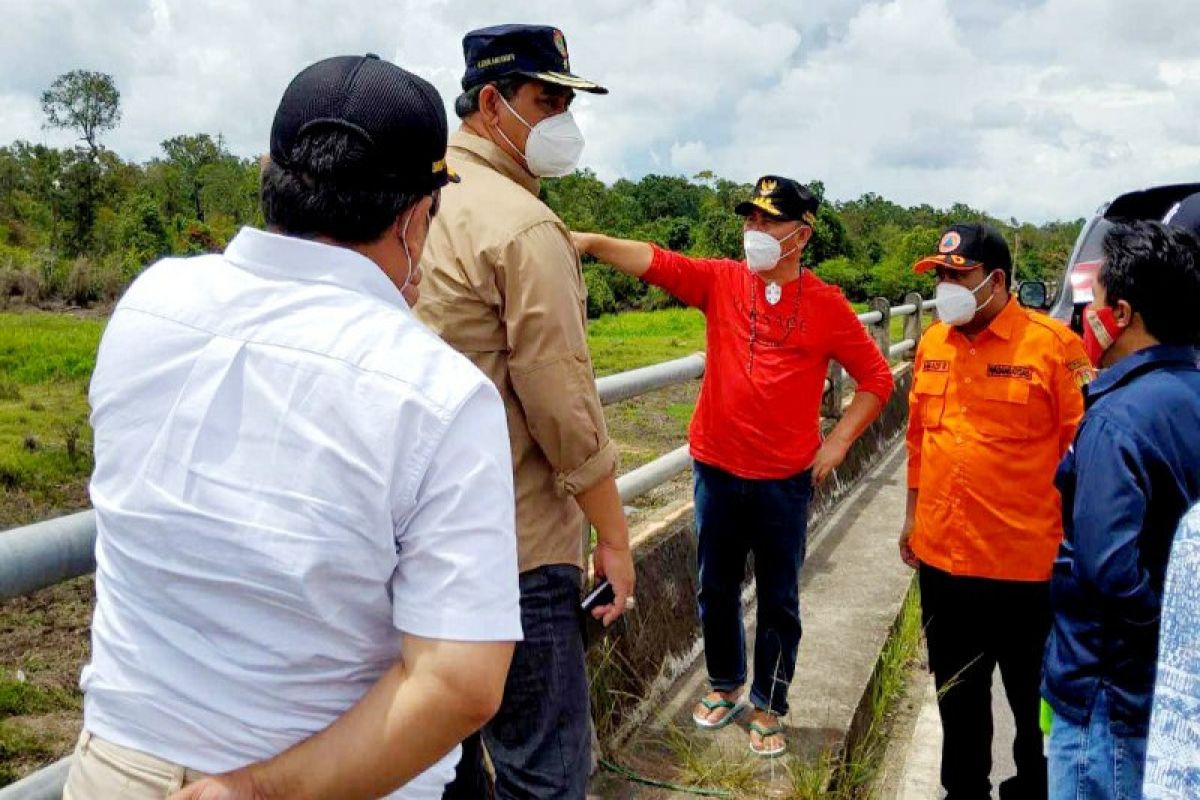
(781, 198)
(534, 51)
(399, 116)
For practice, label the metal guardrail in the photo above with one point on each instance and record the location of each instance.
(45, 784)
(47, 553)
(636, 382)
(37, 556)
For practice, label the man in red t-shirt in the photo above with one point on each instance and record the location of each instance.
(772, 329)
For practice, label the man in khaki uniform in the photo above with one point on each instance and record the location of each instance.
(503, 285)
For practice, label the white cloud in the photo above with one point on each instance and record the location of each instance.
(1032, 109)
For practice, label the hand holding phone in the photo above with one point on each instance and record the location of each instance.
(601, 595)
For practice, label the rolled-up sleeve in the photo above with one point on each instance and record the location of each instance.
(549, 365)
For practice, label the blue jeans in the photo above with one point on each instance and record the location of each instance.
(1091, 761)
(541, 739)
(769, 518)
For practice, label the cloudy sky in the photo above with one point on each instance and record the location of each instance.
(1030, 109)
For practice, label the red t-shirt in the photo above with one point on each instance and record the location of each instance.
(760, 402)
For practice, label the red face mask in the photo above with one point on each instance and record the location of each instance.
(1100, 330)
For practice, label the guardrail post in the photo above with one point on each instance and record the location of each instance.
(881, 331)
(831, 401)
(914, 325)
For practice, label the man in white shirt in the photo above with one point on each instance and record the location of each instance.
(306, 564)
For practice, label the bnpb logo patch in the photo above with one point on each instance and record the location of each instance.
(950, 242)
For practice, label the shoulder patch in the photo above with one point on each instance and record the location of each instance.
(1078, 364)
(1082, 371)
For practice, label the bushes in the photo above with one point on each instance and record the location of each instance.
(600, 299)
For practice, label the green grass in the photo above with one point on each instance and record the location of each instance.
(46, 360)
(38, 347)
(897, 324)
(18, 698)
(20, 745)
(636, 338)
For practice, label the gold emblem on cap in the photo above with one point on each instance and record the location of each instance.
(766, 204)
(958, 260)
(767, 186)
(560, 42)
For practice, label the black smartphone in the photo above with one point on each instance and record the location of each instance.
(601, 595)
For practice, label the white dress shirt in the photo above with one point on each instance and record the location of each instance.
(291, 472)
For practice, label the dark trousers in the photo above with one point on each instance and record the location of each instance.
(971, 626)
(540, 741)
(769, 518)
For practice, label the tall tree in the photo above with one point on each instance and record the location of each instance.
(84, 101)
(88, 103)
(187, 156)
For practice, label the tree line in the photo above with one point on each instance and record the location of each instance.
(77, 224)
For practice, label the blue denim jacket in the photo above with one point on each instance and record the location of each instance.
(1172, 755)
(1126, 482)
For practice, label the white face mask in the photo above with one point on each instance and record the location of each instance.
(763, 251)
(554, 144)
(956, 304)
(412, 265)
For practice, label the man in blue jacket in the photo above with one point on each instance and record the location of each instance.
(1132, 473)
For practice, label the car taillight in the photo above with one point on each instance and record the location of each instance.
(1082, 278)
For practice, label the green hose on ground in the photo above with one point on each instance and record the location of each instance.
(630, 775)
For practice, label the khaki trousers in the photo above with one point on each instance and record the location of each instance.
(102, 770)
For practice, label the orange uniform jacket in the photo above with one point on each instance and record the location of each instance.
(989, 421)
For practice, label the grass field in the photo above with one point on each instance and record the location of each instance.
(45, 442)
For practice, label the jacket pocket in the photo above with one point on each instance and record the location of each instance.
(930, 389)
(1005, 413)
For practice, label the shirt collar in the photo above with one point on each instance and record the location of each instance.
(491, 155)
(292, 258)
(1146, 360)
(1006, 320)
(1002, 326)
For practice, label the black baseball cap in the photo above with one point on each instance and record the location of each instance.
(1185, 214)
(967, 246)
(398, 115)
(534, 51)
(781, 198)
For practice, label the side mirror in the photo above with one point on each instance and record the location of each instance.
(1033, 294)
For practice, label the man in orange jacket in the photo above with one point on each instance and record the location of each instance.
(994, 405)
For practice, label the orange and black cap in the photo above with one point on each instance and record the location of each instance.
(397, 115)
(781, 198)
(967, 246)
